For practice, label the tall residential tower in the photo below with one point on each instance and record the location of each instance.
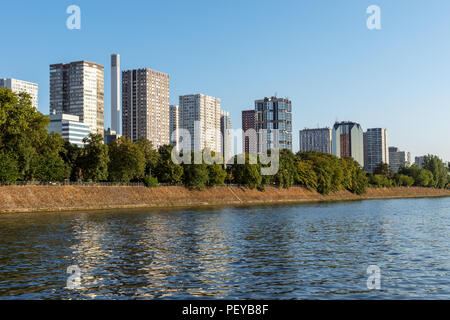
(77, 88)
(376, 150)
(145, 106)
(348, 141)
(19, 86)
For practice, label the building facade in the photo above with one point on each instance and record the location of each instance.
(18, 86)
(419, 161)
(174, 125)
(398, 158)
(273, 123)
(145, 106)
(200, 115)
(348, 141)
(225, 129)
(318, 140)
(249, 138)
(376, 150)
(115, 93)
(69, 127)
(77, 88)
(110, 136)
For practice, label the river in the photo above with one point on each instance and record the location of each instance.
(309, 251)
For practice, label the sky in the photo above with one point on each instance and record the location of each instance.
(319, 54)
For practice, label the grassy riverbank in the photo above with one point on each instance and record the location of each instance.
(67, 198)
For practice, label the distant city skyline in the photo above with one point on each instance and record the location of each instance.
(329, 64)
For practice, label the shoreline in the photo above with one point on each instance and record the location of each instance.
(26, 199)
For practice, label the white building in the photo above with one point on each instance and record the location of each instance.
(318, 140)
(77, 88)
(398, 158)
(69, 127)
(115, 93)
(174, 123)
(376, 150)
(145, 106)
(200, 115)
(18, 86)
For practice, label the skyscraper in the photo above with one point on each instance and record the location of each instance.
(200, 115)
(145, 106)
(115, 93)
(315, 140)
(376, 150)
(225, 129)
(398, 158)
(249, 140)
(18, 86)
(77, 88)
(174, 124)
(348, 141)
(274, 123)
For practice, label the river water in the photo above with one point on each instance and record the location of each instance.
(310, 251)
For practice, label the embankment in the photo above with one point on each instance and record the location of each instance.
(67, 198)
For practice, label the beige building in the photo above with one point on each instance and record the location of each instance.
(19, 86)
(204, 112)
(77, 88)
(145, 106)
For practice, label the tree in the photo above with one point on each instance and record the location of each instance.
(167, 171)
(248, 174)
(9, 169)
(438, 169)
(287, 171)
(151, 155)
(383, 169)
(195, 176)
(216, 175)
(127, 161)
(306, 176)
(94, 159)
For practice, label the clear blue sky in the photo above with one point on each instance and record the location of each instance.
(317, 53)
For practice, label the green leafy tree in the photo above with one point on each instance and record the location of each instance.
(306, 176)
(94, 159)
(437, 167)
(216, 175)
(9, 169)
(167, 171)
(195, 176)
(287, 172)
(150, 153)
(127, 161)
(248, 174)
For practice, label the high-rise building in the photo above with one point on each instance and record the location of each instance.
(110, 136)
(77, 88)
(274, 123)
(145, 106)
(115, 93)
(249, 138)
(398, 158)
(348, 141)
(69, 127)
(225, 129)
(419, 161)
(19, 86)
(200, 115)
(315, 140)
(174, 124)
(376, 150)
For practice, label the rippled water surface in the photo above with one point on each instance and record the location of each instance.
(314, 251)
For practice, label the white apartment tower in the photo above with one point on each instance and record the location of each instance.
(19, 86)
(145, 106)
(77, 88)
(318, 140)
(376, 148)
(115, 92)
(200, 115)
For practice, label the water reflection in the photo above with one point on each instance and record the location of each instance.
(281, 252)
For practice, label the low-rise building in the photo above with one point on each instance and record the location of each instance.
(69, 127)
